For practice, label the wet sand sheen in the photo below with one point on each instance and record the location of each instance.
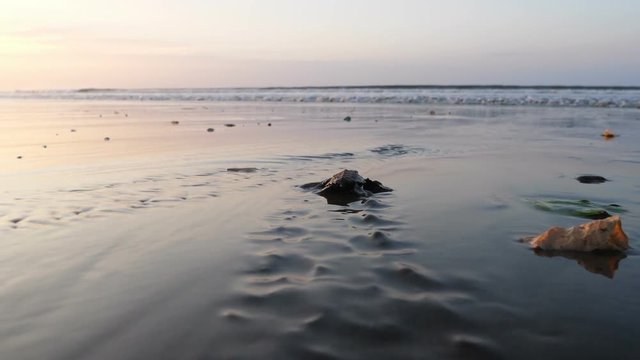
(205, 246)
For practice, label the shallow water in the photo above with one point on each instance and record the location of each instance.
(147, 247)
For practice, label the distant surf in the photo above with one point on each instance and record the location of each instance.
(494, 95)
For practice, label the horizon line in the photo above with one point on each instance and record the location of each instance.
(375, 86)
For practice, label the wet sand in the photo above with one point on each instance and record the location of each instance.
(146, 246)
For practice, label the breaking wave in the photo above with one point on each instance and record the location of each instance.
(542, 96)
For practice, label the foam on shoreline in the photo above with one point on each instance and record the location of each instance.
(612, 97)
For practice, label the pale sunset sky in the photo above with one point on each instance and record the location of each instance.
(46, 44)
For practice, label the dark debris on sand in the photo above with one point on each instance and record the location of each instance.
(243, 170)
(591, 179)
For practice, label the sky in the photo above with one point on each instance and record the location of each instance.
(60, 44)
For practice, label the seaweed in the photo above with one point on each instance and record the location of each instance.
(578, 208)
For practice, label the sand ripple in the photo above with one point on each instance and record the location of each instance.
(332, 282)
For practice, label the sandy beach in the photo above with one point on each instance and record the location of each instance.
(145, 245)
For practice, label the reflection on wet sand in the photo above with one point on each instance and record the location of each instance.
(604, 263)
(170, 243)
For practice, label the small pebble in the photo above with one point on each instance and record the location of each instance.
(608, 134)
(73, 130)
(19, 157)
(348, 118)
(107, 138)
(44, 146)
(269, 124)
(432, 112)
(229, 125)
(242, 170)
(210, 130)
(175, 122)
(591, 179)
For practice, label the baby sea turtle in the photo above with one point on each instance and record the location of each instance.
(345, 187)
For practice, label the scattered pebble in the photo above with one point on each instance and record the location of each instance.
(608, 134)
(210, 130)
(269, 124)
(348, 118)
(107, 138)
(243, 170)
(591, 179)
(19, 157)
(229, 125)
(175, 122)
(73, 130)
(432, 112)
(44, 146)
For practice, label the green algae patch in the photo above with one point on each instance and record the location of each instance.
(577, 208)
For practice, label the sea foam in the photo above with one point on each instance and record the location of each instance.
(547, 96)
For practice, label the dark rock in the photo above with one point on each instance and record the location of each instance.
(243, 170)
(269, 124)
(107, 138)
(348, 118)
(210, 130)
(73, 130)
(591, 179)
(175, 122)
(432, 112)
(44, 146)
(345, 187)
(19, 157)
(229, 125)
